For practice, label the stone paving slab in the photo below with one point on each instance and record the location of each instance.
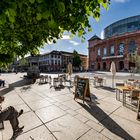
(7, 132)
(105, 106)
(67, 128)
(112, 101)
(63, 107)
(127, 114)
(71, 112)
(30, 97)
(122, 127)
(93, 135)
(72, 104)
(62, 98)
(29, 120)
(39, 133)
(22, 106)
(111, 135)
(50, 113)
(81, 118)
(12, 100)
(0, 135)
(95, 113)
(66, 118)
(95, 126)
(35, 105)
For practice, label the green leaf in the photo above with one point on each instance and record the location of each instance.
(32, 1)
(40, 1)
(39, 16)
(89, 29)
(61, 7)
(12, 12)
(80, 32)
(71, 36)
(46, 14)
(11, 19)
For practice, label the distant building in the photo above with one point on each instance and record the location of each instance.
(121, 39)
(47, 62)
(55, 61)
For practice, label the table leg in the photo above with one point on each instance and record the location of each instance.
(124, 98)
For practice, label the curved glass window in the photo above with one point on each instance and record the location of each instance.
(132, 47)
(121, 49)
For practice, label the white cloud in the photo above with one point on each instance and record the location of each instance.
(121, 1)
(74, 42)
(65, 37)
(42, 51)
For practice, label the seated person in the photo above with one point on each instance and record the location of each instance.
(11, 114)
(2, 82)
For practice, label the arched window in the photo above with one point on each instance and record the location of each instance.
(132, 47)
(121, 49)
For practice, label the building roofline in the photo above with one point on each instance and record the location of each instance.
(117, 37)
(121, 20)
(94, 37)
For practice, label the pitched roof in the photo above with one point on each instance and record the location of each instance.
(94, 37)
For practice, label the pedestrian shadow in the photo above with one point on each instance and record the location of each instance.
(12, 86)
(106, 121)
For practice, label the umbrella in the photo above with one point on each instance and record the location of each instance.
(113, 71)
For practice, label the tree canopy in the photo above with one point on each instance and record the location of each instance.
(76, 61)
(25, 25)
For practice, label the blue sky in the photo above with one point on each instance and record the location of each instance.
(118, 9)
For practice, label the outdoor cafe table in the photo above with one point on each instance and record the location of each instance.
(124, 90)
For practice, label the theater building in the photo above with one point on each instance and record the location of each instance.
(121, 40)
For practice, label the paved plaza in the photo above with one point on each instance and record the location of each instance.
(55, 115)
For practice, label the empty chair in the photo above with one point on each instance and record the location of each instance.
(118, 91)
(134, 95)
(46, 78)
(50, 80)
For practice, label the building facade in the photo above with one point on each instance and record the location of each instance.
(55, 61)
(121, 40)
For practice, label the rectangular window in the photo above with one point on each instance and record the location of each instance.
(112, 50)
(121, 49)
(52, 62)
(98, 52)
(104, 52)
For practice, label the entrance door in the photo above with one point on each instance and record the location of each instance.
(98, 66)
(131, 65)
(121, 65)
(104, 65)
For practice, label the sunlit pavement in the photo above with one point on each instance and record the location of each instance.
(55, 115)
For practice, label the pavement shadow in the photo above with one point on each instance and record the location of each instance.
(106, 88)
(12, 86)
(26, 88)
(106, 121)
